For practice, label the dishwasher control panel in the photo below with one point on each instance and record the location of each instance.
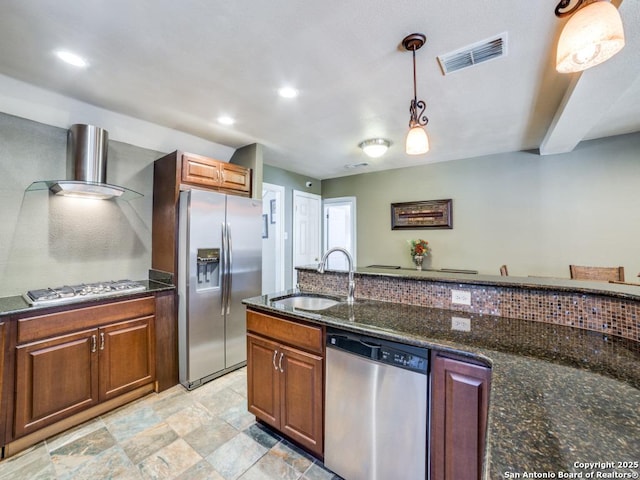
(408, 357)
(402, 359)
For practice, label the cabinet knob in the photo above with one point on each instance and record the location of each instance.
(94, 344)
(275, 353)
(101, 340)
(280, 362)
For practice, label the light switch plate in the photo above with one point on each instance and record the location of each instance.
(461, 297)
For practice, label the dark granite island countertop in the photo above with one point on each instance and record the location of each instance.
(561, 397)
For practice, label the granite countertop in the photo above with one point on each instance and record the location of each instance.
(560, 396)
(18, 305)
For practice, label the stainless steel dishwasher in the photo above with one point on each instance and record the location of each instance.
(375, 408)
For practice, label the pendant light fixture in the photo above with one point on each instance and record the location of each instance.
(417, 141)
(592, 35)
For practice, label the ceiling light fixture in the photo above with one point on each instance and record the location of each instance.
(226, 120)
(375, 147)
(417, 140)
(288, 92)
(71, 58)
(592, 35)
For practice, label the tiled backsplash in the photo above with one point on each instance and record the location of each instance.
(601, 313)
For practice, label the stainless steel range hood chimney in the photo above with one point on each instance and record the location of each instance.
(86, 167)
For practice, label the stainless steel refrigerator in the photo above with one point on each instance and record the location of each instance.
(219, 264)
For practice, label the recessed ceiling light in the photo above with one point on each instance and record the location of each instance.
(225, 120)
(288, 92)
(71, 58)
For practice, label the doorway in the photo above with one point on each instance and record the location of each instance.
(339, 217)
(273, 237)
(306, 230)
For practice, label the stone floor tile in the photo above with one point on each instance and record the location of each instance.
(262, 435)
(209, 437)
(148, 442)
(31, 464)
(200, 471)
(73, 434)
(111, 463)
(126, 424)
(170, 461)
(318, 472)
(293, 456)
(270, 466)
(190, 418)
(235, 457)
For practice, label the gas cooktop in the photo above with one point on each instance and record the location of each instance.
(71, 293)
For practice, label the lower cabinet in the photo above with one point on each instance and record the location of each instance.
(285, 377)
(68, 362)
(459, 409)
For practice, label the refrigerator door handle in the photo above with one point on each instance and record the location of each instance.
(229, 268)
(223, 267)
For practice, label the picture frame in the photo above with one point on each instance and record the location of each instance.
(265, 225)
(272, 210)
(425, 214)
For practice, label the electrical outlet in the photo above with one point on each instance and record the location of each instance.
(461, 324)
(461, 297)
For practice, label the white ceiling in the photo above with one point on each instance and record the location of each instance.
(181, 64)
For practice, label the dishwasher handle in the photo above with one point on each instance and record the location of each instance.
(354, 345)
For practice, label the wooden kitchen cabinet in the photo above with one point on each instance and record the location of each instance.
(285, 377)
(72, 365)
(459, 409)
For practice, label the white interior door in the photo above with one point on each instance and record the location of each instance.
(306, 230)
(273, 271)
(339, 215)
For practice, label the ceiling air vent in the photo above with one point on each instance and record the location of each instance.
(474, 54)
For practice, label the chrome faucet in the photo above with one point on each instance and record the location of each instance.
(352, 283)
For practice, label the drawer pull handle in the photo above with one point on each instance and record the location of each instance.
(275, 352)
(94, 344)
(280, 362)
(102, 341)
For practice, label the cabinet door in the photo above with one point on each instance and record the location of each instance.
(263, 392)
(460, 395)
(301, 384)
(55, 378)
(126, 356)
(200, 170)
(235, 177)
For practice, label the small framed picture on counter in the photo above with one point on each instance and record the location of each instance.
(422, 214)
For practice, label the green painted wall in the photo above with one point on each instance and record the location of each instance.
(537, 214)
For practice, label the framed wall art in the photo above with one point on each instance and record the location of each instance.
(423, 214)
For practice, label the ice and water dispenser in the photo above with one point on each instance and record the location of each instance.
(207, 265)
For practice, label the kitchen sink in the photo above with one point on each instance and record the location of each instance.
(304, 301)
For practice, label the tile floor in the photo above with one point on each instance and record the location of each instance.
(203, 434)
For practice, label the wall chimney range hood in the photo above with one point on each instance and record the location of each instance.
(86, 167)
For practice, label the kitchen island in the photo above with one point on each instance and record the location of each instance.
(565, 385)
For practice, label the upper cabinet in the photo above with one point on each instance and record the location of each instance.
(207, 172)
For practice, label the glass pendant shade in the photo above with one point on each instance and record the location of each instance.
(417, 141)
(591, 36)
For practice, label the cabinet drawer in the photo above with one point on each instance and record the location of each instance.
(43, 326)
(297, 334)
